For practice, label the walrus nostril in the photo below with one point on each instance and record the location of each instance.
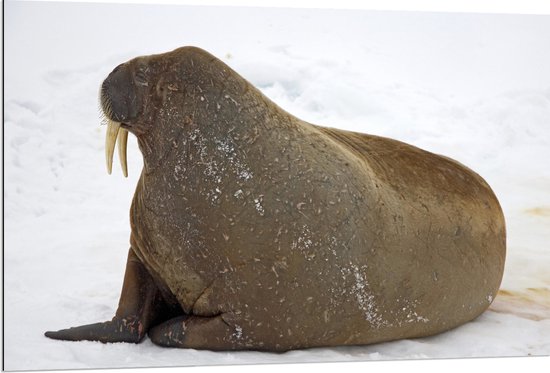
(104, 101)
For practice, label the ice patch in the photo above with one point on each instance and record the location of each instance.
(221, 163)
(305, 243)
(409, 312)
(238, 334)
(360, 290)
(258, 204)
(239, 167)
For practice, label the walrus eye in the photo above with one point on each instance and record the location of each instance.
(161, 89)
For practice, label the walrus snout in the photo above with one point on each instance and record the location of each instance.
(119, 99)
(120, 103)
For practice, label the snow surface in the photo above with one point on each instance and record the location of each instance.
(473, 87)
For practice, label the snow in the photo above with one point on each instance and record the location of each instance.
(473, 87)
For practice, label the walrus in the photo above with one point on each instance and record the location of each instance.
(254, 230)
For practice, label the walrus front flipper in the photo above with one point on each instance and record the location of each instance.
(201, 333)
(140, 305)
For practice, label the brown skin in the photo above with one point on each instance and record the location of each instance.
(252, 229)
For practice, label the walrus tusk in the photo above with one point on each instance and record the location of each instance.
(110, 140)
(122, 150)
(114, 134)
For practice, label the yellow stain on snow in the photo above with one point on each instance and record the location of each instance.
(532, 303)
(538, 211)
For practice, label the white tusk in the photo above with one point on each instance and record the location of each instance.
(110, 140)
(122, 146)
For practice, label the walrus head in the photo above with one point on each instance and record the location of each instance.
(123, 96)
(128, 97)
(160, 97)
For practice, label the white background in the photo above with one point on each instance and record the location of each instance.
(472, 87)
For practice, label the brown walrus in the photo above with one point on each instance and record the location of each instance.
(252, 229)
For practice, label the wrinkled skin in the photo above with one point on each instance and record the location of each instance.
(252, 229)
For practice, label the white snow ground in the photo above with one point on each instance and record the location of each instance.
(472, 87)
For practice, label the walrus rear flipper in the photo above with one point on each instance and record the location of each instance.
(141, 305)
(201, 333)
